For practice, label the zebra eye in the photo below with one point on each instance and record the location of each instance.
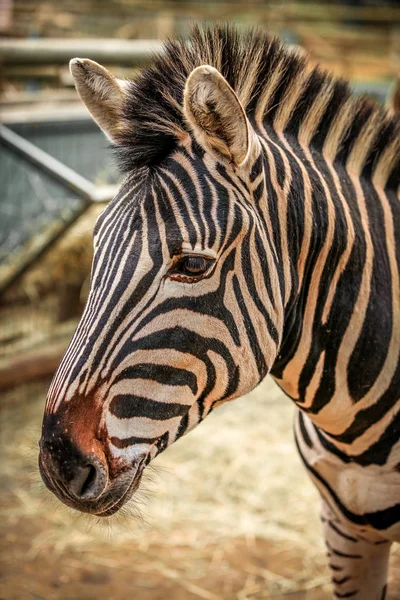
(191, 267)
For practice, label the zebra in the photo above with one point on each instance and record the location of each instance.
(255, 232)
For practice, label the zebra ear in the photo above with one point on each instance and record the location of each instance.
(102, 94)
(215, 115)
(394, 100)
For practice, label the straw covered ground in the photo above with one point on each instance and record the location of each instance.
(227, 513)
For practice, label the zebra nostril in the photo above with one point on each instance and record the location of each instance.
(90, 481)
(87, 482)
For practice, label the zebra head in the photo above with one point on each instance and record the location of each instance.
(185, 304)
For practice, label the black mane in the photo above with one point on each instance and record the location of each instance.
(153, 116)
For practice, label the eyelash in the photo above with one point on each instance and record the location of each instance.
(190, 268)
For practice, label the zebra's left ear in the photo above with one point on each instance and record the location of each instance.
(215, 115)
(102, 93)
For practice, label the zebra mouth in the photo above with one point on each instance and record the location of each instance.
(116, 493)
(114, 505)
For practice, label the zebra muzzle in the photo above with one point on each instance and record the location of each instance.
(71, 475)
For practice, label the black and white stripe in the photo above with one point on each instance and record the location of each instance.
(301, 245)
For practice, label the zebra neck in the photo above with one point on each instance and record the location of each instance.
(308, 223)
(338, 331)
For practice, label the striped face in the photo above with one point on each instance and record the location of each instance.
(166, 333)
(184, 308)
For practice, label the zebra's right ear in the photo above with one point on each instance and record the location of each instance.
(102, 94)
(215, 115)
(393, 102)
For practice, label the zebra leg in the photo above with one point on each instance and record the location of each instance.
(358, 564)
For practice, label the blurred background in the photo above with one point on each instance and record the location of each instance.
(211, 522)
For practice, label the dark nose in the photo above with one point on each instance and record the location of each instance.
(70, 474)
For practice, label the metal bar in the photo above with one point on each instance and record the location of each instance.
(84, 188)
(105, 193)
(60, 51)
(51, 112)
